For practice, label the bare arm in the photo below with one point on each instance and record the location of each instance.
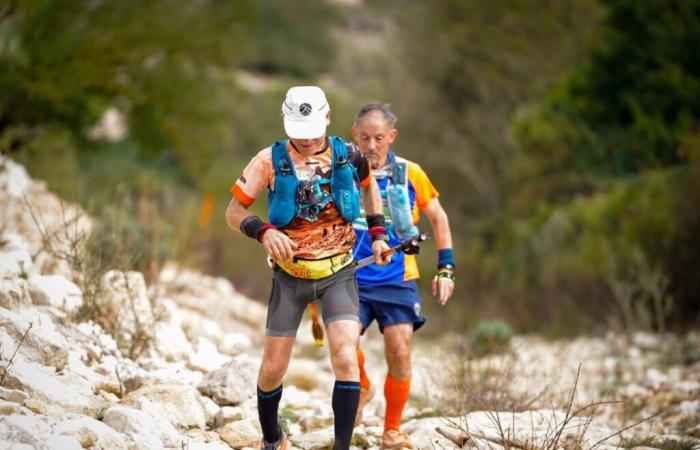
(235, 213)
(440, 224)
(371, 198)
(372, 201)
(277, 244)
(442, 287)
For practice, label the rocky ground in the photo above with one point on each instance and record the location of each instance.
(172, 364)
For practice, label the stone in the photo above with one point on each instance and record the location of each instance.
(177, 403)
(14, 179)
(211, 409)
(316, 440)
(228, 414)
(63, 442)
(44, 408)
(7, 408)
(655, 378)
(234, 344)
(145, 442)
(314, 421)
(13, 395)
(232, 383)
(134, 422)
(25, 429)
(307, 375)
(192, 445)
(244, 433)
(690, 407)
(92, 433)
(204, 356)
(15, 256)
(56, 291)
(123, 299)
(43, 342)
(4, 445)
(170, 341)
(51, 392)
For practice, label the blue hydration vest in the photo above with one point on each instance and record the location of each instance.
(283, 204)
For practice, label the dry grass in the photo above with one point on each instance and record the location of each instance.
(115, 242)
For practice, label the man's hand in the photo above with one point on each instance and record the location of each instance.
(278, 245)
(442, 289)
(379, 247)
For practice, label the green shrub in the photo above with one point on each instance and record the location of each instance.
(490, 337)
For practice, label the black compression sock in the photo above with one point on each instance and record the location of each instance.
(346, 396)
(268, 403)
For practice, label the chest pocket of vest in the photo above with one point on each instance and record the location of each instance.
(344, 182)
(281, 203)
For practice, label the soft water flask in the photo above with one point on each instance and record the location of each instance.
(400, 207)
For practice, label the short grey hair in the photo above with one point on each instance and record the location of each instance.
(383, 108)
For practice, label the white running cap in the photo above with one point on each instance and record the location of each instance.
(305, 111)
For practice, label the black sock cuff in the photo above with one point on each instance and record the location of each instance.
(270, 394)
(347, 385)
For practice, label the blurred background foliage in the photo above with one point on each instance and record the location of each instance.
(562, 134)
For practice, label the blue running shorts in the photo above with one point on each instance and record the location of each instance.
(390, 304)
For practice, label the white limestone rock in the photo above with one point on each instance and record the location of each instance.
(306, 374)
(135, 422)
(13, 395)
(7, 408)
(92, 433)
(123, 298)
(43, 342)
(244, 433)
(15, 261)
(228, 414)
(194, 445)
(204, 356)
(177, 403)
(316, 440)
(51, 392)
(233, 344)
(170, 341)
(29, 430)
(232, 383)
(55, 291)
(211, 410)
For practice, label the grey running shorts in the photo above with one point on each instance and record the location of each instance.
(337, 293)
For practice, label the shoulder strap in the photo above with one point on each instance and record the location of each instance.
(280, 159)
(339, 150)
(399, 173)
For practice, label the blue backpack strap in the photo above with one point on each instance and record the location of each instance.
(399, 173)
(281, 203)
(344, 181)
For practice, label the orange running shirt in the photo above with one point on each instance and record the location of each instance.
(329, 234)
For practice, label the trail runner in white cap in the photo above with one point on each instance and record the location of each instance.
(314, 185)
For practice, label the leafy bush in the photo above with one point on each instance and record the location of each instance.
(490, 336)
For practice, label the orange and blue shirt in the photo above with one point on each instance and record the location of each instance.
(402, 268)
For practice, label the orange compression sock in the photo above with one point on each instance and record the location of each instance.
(364, 380)
(396, 395)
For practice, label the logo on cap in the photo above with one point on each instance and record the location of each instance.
(305, 109)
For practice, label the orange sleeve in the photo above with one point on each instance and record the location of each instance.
(255, 178)
(425, 191)
(365, 182)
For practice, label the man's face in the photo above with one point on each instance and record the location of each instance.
(309, 146)
(374, 136)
